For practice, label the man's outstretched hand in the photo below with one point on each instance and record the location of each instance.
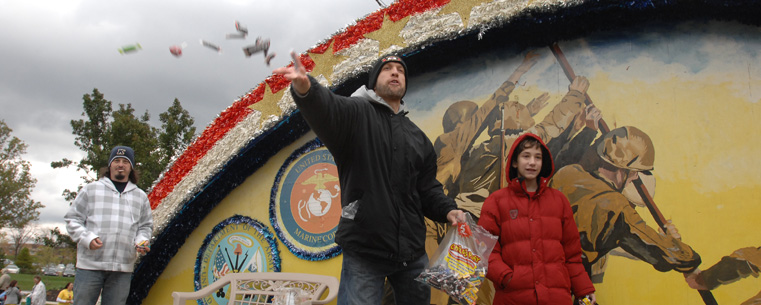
(297, 74)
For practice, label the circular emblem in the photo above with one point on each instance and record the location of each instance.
(238, 244)
(305, 205)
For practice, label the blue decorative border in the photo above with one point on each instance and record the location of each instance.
(300, 253)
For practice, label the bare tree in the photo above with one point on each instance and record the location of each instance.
(20, 236)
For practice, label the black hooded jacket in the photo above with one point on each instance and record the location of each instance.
(387, 172)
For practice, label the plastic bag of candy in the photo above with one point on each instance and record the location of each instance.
(458, 267)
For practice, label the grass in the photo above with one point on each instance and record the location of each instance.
(26, 281)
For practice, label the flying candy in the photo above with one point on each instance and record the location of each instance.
(130, 48)
(211, 45)
(241, 28)
(269, 58)
(236, 36)
(176, 50)
(260, 45)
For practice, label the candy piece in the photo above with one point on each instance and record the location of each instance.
(176, 50)
(143, 245)
(211, 46)
(269, 58)
(236, 36)
(130, 48)
(241, 28)
(258, 46)
(585, 301)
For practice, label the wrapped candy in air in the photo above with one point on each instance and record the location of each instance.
(259, 46)
(236, 36)
(176, 50)
(241, 28)
(211, 46)
(269, 58)
(130, 48)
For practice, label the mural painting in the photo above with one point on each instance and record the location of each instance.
(619, 112)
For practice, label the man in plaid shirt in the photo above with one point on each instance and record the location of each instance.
(111, 223)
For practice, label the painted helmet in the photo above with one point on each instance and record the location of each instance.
(457, 113)
(627, 147)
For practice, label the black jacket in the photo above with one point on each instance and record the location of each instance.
(387, 171)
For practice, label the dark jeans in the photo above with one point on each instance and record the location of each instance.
(362, 281)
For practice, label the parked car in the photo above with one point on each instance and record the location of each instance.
(60, 268)
(12, 268)
(50, 270)
(69, 271)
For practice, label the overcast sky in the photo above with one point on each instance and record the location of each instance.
(55, 51)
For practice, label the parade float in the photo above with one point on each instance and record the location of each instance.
(257, 191)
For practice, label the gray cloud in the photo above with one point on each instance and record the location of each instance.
(54, 52)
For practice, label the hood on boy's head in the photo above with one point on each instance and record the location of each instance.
(548, 165)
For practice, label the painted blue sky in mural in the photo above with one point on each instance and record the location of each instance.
(682, 50)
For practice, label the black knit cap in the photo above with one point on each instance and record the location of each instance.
(377, 68)
(122, 152)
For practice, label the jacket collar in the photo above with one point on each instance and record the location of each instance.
(518, 185)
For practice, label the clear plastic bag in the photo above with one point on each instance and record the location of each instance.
(458, 267)
(291, 296)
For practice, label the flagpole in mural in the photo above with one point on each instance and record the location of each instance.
(707, 296)
(502, 162)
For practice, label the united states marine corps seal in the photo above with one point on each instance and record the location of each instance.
(305, 205)
(238, 244)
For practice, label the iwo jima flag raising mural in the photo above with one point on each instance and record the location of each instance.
(677, 84)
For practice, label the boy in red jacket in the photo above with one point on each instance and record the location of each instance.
(537, 259)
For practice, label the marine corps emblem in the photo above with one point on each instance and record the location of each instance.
(306, 203)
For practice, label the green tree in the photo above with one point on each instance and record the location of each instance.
(59, 248)
(16, 205)
(25, 261)
(54, 238)
(103, 128)
(176, 133)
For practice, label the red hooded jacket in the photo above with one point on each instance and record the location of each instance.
(537, 259)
